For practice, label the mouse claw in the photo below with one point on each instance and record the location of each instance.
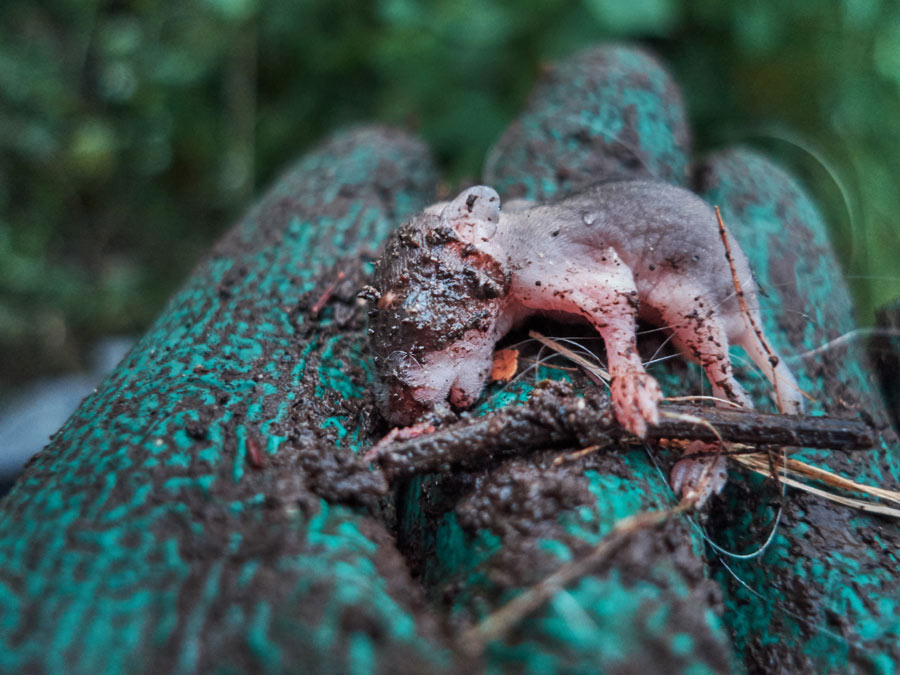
(699, 478)
(635, 396)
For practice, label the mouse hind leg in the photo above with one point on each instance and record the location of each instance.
(704, 340)
(702, 337)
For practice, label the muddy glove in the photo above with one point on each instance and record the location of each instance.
(665, 601)
(177, 522)
(204, 509)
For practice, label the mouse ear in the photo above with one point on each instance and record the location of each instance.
(476, 210)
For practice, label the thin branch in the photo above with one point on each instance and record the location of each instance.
(555, 419)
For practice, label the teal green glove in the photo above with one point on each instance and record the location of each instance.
(204, 510)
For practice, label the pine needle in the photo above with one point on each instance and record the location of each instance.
(591, 368)
(760, 464)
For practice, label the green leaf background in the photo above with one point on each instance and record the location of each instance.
(133, 132)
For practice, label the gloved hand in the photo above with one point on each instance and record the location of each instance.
(205, 509)
(613, 112)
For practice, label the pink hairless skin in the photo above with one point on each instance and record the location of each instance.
(457, 277)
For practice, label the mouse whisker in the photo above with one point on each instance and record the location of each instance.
(844, 339)
(653, 361)
(668, 339)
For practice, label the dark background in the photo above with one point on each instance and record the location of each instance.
(132, 133)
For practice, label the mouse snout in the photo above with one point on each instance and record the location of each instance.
(467, 385)
(459, 398)
(411, 392)
(402, 398)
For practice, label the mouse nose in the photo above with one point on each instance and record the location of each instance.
(459, 398)
(470, 378)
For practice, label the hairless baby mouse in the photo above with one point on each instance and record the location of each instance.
(457, 277)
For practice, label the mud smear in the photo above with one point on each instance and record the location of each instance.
(212, 479)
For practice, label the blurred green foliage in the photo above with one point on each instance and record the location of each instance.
(133, 131)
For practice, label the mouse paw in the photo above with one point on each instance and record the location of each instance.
(394, 435)
(699, 478)
(635, 395)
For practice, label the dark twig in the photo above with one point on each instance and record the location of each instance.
(554, 418)
(326, 295)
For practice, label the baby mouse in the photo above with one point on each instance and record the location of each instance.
(457, 277)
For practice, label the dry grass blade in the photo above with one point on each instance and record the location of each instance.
(552, 366)
(803, 469)
(761, 465)
(591, 368)
(497, 624)
(860, 504)
(693, 399)
(574, 456)
(692, 419)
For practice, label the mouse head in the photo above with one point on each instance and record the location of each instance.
(438, 293)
